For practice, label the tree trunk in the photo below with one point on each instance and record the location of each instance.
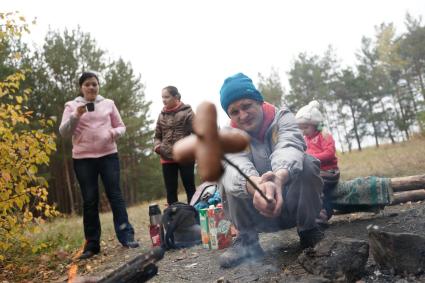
(415, 195)
(68, 181)
(346, 136)
(403, 114)
(421, 81)
(400, 184)
(374, 127)
(375, 133)
(387, 123)
(415, 106)
(412, 95)
(355, 128)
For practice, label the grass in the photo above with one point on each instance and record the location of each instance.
(64, 235)
(402, 159)
(70, 229)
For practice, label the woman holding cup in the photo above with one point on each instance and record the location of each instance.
(94, 124)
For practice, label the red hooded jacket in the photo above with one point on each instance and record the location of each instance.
(322, 146)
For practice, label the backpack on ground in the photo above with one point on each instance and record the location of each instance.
(205, 195)
(181, 226)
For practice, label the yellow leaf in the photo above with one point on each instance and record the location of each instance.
(33, 169)
(6, 176)
(19, 99)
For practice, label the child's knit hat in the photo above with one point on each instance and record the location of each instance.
(310, 114)
(237, 87)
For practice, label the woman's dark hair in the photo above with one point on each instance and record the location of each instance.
(173, 91)
(87, 75)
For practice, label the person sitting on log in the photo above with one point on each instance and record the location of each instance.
(276, 162)
(321, 145)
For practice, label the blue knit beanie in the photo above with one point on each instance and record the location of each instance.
(237, 87)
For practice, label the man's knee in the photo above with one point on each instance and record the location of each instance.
(308, 184)
(311, 166)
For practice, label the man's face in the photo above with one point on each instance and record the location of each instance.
(247, 115)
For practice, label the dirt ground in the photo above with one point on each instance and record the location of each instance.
(280, 264)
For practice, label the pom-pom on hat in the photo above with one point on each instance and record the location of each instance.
(309, 114)
(237, 87)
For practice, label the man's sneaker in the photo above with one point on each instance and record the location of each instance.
(242, 248)
(309, 238)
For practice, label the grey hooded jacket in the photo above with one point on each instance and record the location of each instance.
(283, 148)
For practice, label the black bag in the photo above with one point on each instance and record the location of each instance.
(181, 225)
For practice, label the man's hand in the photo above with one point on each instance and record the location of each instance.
(273, 193)
(271, 185)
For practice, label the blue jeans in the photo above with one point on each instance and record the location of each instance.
(87, 171)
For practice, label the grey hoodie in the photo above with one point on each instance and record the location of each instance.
(283, 148)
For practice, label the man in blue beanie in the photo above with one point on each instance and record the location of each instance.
(277, 163)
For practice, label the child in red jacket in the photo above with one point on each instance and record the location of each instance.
(321, 145)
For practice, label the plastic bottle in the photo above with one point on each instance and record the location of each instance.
(155, 228)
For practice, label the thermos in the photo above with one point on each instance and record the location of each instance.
(155, 228)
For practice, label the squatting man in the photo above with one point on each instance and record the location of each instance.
(276, 162)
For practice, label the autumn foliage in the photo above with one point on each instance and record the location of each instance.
(25, 146)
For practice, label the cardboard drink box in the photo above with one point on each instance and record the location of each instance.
(203, 219)
(212, 228)
(219, 228)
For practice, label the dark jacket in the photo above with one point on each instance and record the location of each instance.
(171, 127)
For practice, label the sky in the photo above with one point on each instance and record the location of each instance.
(196, 44)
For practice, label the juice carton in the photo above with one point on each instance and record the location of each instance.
(212, 228)
(224, 233)
(203, 219)
(220, 231)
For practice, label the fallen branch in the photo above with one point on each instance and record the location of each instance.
(139, 269)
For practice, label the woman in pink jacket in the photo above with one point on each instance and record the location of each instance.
(94, 124)
(321, 145)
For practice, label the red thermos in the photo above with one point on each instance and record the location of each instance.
(155, 228)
